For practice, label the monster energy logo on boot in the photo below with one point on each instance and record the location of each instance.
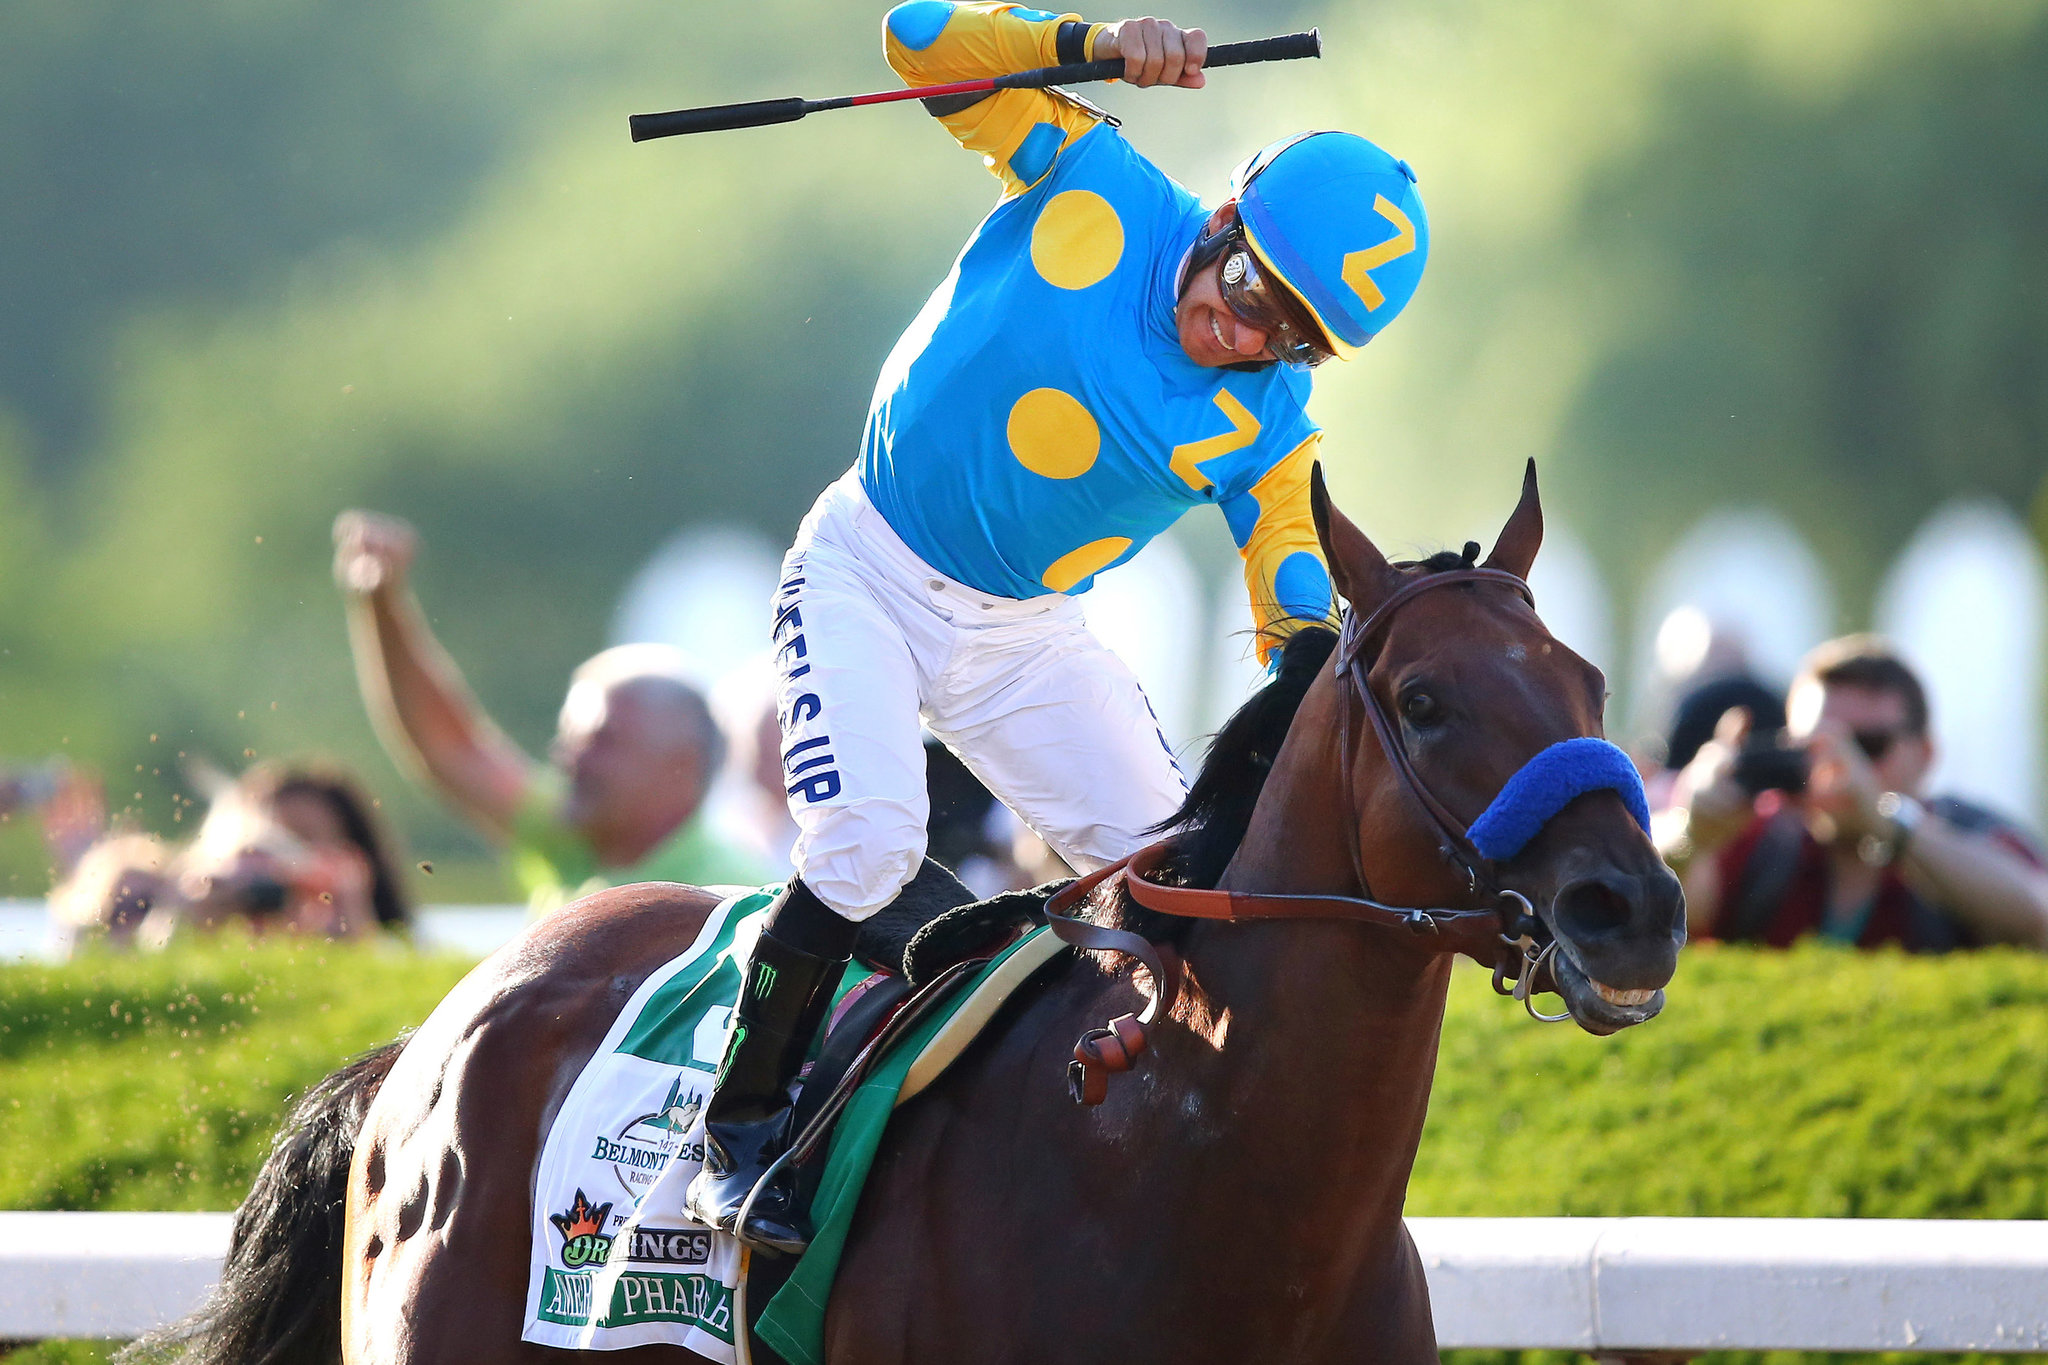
(733, 1042)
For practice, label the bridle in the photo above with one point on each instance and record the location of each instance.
(1518, 956)
(1506, 928)
(1355, 655)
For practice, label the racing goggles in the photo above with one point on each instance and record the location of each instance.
(1248, 294)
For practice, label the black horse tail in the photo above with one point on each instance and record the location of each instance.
(279, 1297)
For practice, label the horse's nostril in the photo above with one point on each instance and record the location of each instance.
(1593, 907)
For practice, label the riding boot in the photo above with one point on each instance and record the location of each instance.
(788, 987)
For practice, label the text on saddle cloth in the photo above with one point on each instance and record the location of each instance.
(615, 1262)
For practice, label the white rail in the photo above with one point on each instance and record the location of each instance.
(113, 1275)
(1590, 1284)
(1689, 1284)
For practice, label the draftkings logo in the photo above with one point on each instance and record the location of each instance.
(669, 1246)
(582, 1229)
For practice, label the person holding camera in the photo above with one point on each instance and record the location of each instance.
(291, 848)
(1825, 829)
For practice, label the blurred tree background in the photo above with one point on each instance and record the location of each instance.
(260, 263)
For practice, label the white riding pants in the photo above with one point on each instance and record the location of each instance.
(869, 638)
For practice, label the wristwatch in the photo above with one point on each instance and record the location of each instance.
(1904, 814)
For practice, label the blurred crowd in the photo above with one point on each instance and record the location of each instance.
(1789, 811)
(623, 794)
(285, 848)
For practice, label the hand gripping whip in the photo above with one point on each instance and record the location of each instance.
(759, 113)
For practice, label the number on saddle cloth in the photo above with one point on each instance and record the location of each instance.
(1549, 782)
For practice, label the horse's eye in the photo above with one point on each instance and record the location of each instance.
(1420, 708)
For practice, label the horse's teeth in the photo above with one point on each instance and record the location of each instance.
(1615, 997)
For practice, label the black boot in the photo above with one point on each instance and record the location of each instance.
(788, 987)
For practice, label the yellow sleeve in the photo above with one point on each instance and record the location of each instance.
(1284, 572)
(1019, 133)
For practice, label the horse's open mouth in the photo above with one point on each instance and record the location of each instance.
(1595, 1007)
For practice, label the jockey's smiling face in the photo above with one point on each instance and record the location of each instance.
(1210, 333)
(1229, 315)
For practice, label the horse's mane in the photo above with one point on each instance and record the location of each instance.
(1210, 824)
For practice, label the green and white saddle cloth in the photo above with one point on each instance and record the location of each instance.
(615, 1261)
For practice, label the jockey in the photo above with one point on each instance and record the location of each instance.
(1104, 355)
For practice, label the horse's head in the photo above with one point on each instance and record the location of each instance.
(1476, 694)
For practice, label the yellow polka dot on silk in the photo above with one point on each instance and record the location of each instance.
(1077, 240)
(1053, 435)
(1075, 565)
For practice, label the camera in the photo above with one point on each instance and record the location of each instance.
(258, 896)
(1772, 762)
(255, 894)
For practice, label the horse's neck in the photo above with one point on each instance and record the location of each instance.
(1322, 1035)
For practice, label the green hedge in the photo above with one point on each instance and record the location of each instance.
(155, 1082)
(1816, 1083)
(1820, 1083)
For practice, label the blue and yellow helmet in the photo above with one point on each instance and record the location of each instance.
(1338, 220)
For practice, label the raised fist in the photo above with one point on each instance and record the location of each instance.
(1155, 52)
(372, 552)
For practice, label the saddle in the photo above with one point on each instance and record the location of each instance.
(933, 936)
(620, 1267)
(935, 921)
(925, 950)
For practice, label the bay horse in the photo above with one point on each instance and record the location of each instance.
(1237, 1197)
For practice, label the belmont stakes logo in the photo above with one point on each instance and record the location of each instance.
(582, 1229)
(644, 1147)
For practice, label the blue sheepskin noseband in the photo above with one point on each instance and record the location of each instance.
(1547, 784)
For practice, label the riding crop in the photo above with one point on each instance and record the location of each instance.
(759, 113)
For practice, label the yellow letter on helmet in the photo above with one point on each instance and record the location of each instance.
(1359, 265)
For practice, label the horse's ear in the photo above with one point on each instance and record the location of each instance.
(1516, 549)
(1358, 570)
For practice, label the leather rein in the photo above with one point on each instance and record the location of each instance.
(1506, 931)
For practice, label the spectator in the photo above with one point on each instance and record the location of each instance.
(70, 801)
(1694, 649)
(1838, 842)
(109, 892)
(1693, 723)
(296, 848)
(104, 880)
(291, 848)
(1702, 670)
(634, 753)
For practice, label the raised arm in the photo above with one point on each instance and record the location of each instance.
(1284, 573)
(418, 702)
(1021, 133)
